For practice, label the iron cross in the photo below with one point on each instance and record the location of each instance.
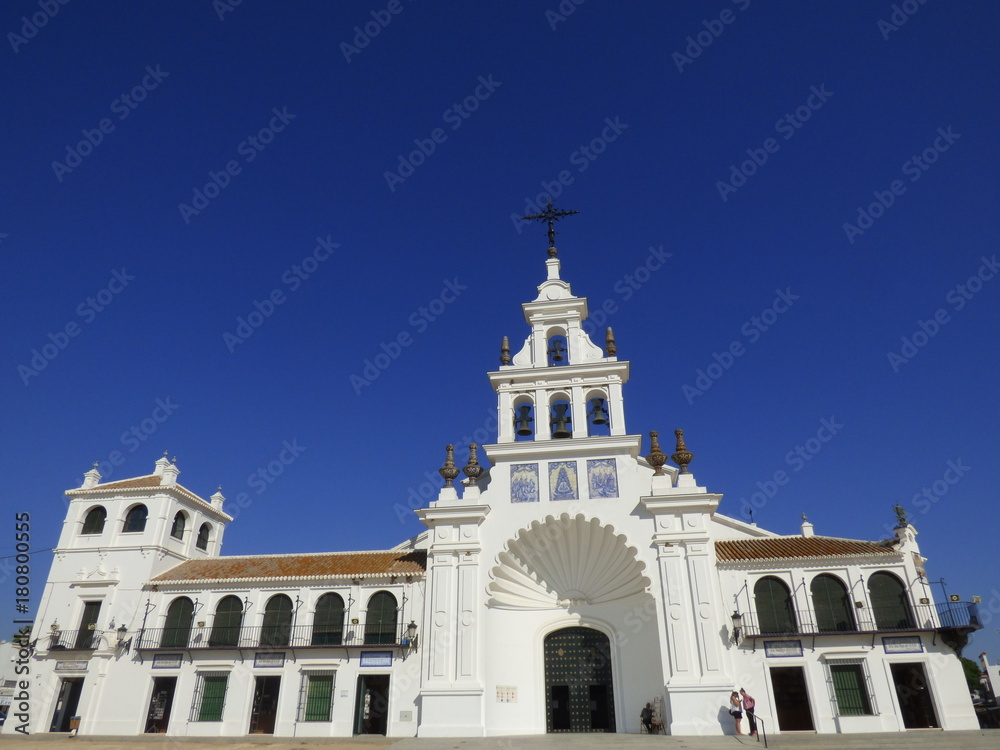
(550, 215)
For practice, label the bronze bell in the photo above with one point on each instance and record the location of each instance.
(522, 422)
(560, 420)
(597, 411)
(557, 350)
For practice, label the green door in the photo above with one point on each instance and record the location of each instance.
(578, 681)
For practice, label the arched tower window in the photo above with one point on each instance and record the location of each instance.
(380, 622)
(277, 628)
(598, 416)
(524, 418)
(177, 529)
(556, 350)
(135, 519)
(328, 622)
(773, 602)
(203, 533)
(227, 622)
(832, 604)
(889, 603)
(94, 522)
(177, 628)
(560, 416)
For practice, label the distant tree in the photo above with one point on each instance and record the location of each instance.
(972, 673)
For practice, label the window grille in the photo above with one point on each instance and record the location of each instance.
(850, 688)
(316, 696)
(209, 696)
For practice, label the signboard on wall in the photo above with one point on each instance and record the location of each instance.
(376, 658)
(269, 659)
(782, 648)
(902, 644)
(167, 661)
(72, 666)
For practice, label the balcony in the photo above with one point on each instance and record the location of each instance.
(297, 636)
(72, 640)
(960, 616)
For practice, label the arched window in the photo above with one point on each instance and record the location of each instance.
(773, 602)
(177, 628)
(889, 604)
(560, 418)
(135, 519)
(177, 530)
(328, 622)
(832, 604)
(203, 534)
(227, 622)
(380, 622)
(94, 522)
(277, 629)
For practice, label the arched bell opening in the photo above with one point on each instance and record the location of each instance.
(557, 349)
(560, 416)
(598, 413)
(524, 418)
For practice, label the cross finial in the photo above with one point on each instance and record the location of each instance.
(550, 215)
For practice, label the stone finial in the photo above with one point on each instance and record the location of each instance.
(168, 475)
(448, 471)
(92, 478)
(161, 463)
(472, 469)
(609, 343)
(505, 351)
(807, 528)
(901, 521)
(218, 499)
(656, 457)
(683, 456)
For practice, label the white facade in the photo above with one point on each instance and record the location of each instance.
(570, 584)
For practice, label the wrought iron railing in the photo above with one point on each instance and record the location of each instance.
(963, 615)
(271, 636)
(72, 640)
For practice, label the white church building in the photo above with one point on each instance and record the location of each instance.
(567, 581)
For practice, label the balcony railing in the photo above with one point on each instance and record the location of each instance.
(297, 636)
(962, 615)
(72, 640)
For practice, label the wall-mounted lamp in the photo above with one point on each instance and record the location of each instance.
(123, 645)
(411, 634)
(737, 625)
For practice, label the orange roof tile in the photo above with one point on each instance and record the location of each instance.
(799, 546)
(376, 564)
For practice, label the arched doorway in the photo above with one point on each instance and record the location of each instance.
(579, 696)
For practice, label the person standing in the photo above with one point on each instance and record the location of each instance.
(736, 710)
(748, 705)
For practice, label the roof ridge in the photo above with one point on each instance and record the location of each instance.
(307, 554)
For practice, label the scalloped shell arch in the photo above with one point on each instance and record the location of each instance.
(564, 561)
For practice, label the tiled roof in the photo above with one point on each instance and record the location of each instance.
(151, 480)
(377, 564)
(799, 546)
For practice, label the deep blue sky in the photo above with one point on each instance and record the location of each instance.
(886, 96)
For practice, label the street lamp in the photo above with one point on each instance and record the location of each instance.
(737, 619)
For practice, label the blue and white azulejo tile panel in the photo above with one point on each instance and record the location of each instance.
(602, 475)
(524, 483)
(562, 481)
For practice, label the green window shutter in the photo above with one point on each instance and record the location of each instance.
(319, 696)
(849, 688)
(213, 697)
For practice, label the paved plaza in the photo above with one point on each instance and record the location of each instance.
(988, 739)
